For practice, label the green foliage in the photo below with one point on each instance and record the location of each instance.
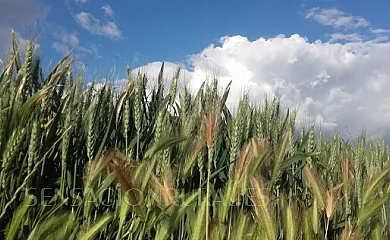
(103, 163)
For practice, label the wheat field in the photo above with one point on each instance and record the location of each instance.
(81, 162)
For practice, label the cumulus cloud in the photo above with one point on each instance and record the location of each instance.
(18, 15)
(336, 18)
(95, 26)
(81, 1)
(108, 11)
(332, 85)
(152, 70)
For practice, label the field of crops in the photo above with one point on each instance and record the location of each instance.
(80, 162)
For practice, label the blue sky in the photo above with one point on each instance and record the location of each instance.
(148, 31)
(172, 30)
(329, 59)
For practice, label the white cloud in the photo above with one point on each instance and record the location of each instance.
(352, 37)
(331, 84)
(380, 31)
(336, 18)
(70, 38)
(81, 1)
(152, 70)
(94, 26)
(108, 11)
(60, 47)
(380, 39)
(65, 41)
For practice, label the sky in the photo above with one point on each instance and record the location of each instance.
(328, 59)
